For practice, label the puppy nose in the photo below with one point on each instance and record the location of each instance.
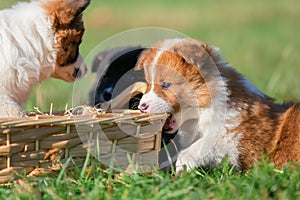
(144, 107)
(107, 96)
(77, 73)
(80, 69)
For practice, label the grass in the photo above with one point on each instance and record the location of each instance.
(262, 182)
(259, 38)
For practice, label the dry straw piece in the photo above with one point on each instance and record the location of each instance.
(41, 144)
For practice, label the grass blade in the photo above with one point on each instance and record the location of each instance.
(63, 170)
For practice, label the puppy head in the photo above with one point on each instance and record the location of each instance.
(115, 69)
(181, 76)
(68, 29)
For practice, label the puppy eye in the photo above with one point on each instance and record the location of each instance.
(165, 85)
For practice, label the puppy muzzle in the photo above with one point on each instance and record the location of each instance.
(80, 69)
(71, 72)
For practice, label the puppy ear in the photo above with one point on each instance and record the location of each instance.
(139, 63)
(141, 60)
(199, 54)
(81, 5)
(63, 12)
(107, 57)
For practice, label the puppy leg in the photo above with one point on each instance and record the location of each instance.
(191, 157)
(10, 109)
(209, 151)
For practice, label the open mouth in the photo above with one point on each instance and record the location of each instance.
(170, 125)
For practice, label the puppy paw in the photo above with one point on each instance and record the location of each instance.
(184, 164)
(11, 110)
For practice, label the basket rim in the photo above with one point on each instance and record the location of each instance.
(88, 119)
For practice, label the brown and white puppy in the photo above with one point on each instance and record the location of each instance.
(38, 40)
(216, 111)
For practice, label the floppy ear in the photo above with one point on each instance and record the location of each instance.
(139, 63)
(64, 11)
(107, 57)
(198, 54)
(141, 60)
(80, 5)
(205, 59)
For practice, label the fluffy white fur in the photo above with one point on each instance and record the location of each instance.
(24, 58)
(202, 133)
(27, 56)
(213, 137)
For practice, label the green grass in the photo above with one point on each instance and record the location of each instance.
(262, 182)
(259, 38)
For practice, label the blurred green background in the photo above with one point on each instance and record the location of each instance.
(259, 38)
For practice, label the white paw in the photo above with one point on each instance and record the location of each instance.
(11, 109)
(185, 163)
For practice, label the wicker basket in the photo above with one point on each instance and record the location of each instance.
(42, 144)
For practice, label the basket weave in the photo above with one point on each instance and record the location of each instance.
(42, 144)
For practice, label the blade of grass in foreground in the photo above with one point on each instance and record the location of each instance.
(63, 170)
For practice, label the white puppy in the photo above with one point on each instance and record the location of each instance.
(38, 40)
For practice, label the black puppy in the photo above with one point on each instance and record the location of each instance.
(115, 72)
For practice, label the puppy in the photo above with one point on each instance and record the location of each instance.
(115, 72)
(38, 40)
(114, 68)
(217, 112)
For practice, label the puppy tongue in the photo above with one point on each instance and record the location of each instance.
(169, 124)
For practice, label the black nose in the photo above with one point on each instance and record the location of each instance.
(77, 73)
(143, 107)
(107, 96)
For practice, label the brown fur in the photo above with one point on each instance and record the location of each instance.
(181, 72)
(68, 27)
(288, 138)
(265, 127)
